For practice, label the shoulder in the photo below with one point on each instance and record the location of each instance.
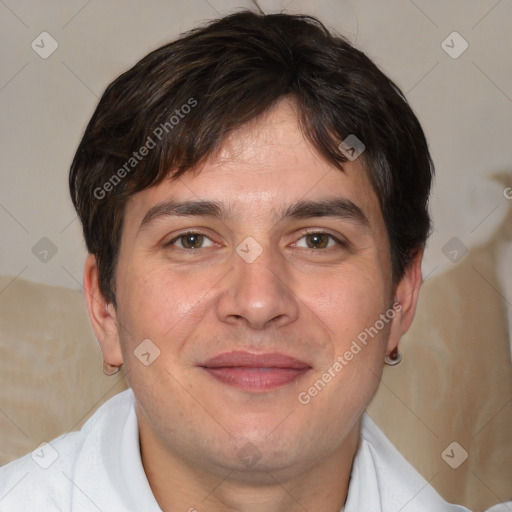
(43, 478)
(397, 483)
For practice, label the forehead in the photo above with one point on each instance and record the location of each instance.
(263, 167)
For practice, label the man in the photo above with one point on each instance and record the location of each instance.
(254, 201)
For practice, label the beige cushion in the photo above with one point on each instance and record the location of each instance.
(454, 383)
(51, 376)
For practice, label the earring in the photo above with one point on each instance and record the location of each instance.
(107, 369)
(394, 357)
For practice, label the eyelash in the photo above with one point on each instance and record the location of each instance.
(339, 242)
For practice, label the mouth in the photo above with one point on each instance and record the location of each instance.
(255, 372)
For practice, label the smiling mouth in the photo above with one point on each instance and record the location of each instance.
(255, 372)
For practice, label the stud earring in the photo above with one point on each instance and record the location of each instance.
(109, 369)
(394, 357)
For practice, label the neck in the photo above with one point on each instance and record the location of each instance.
(179, 485)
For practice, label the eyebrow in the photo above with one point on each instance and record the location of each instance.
(340, 208)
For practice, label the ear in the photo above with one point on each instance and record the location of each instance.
(406, 299)
(103, 316)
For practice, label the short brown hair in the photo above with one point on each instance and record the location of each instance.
(181, 101)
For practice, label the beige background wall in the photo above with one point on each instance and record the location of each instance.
(465, 104)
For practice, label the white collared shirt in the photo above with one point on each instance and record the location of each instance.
(99, 468)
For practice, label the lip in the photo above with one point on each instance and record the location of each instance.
(255, 372)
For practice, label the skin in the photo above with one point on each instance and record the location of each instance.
(305, 296)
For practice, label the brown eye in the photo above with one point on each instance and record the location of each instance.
(317, 240)
(320, 240)
(191, 240)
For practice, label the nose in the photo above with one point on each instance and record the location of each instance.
(258, 293)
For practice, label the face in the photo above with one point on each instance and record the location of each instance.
(254, 279)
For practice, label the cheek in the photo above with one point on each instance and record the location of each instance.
(349, 301)
(155, 301)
